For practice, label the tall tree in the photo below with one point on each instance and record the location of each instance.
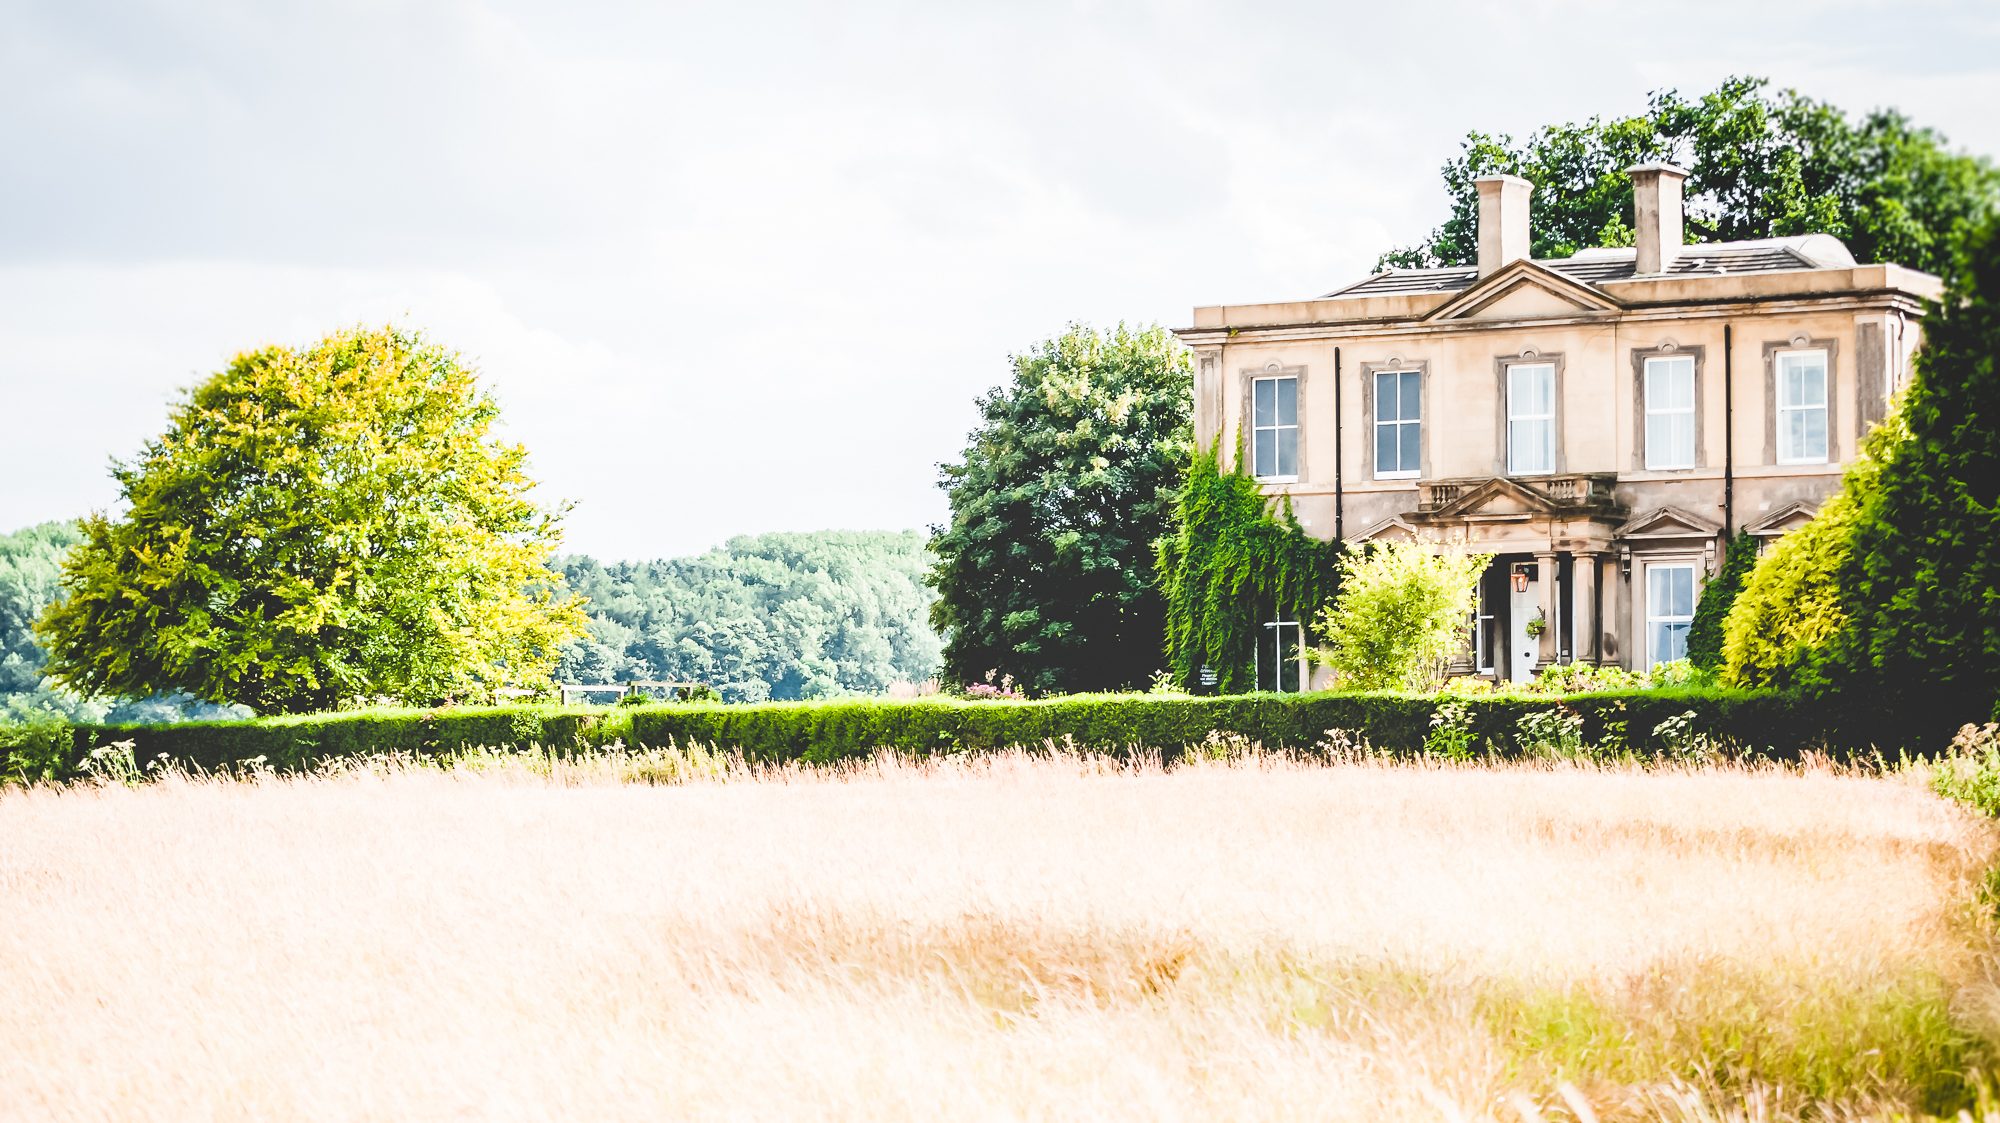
(316, 527)
(1763, 163)
(1921, 578)
(1045, 571)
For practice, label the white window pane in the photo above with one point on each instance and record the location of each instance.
(1813, 437)
(1386, 457)
(1266, 459)
(1288, 452)
(1529, 446)
(1287, 391)
(1657, 590)
(1670, 383)
(1266, 394)
(1669, 641)
(1683, 591)
(1812, 379)
(1413, 407)
(1387, 398)
(1411, 444)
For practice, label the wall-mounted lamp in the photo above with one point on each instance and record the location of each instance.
(1520, 575)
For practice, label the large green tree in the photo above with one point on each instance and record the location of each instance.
(1045, 571)
(318, 526)
(1921, 577)
(1886, 606)
(1763, 163)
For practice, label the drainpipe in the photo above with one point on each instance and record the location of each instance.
(1728, 437)
(1338, 513)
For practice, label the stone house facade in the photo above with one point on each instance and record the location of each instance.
(1601, 423)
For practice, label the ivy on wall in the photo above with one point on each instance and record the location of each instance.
(1232, 560)
(1704, 642)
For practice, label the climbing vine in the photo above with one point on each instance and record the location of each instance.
(1231, 559)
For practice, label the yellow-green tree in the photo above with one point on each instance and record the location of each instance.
(318, 527)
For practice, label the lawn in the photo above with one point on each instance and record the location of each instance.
(1002, 937)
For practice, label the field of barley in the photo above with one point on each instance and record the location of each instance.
(1009, 937)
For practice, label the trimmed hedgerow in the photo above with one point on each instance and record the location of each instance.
(828, 731)
(291, 742)
(821, 732)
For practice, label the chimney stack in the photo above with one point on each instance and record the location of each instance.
(1503, 220)
(1656, 215)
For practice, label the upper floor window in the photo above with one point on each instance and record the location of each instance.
(1399, 424)
(1531, 419)
(1670, 412)
(1801, 407)
(1274, 428)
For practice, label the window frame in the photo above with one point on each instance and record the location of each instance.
(1275, 372)
(1692, 412)
(1779, 409)
(1649, 618)
(1275, 636)
(1508, 418)
(1400, 423)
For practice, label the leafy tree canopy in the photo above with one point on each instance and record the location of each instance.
(1045, 570)
(315, 527)
(1763, 163)
(772, 616)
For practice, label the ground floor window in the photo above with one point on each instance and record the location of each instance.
(1281, 657)
(1669, 610)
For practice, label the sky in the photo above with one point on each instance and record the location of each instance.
(735, 268)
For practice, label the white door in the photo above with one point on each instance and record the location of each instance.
(1524, 649)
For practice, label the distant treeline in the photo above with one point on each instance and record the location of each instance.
(772, 616)
(769, 616)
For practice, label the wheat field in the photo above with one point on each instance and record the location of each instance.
(1008, 937)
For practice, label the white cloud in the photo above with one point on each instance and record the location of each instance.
(735, 268)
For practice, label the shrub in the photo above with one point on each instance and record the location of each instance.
(1970, 774)
(40, 752)
(1584, 678)
(1400, 615)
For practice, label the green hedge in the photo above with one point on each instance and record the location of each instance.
(289, 742)
(827, 731)
(820, 732)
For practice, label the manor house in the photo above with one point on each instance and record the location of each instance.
(1601, 423)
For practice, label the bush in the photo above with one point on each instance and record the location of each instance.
(824, 732)
(1400, 615)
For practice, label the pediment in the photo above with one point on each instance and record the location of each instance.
(1523, 290)
(1495, 499)
(1391, 529)
(1784, 520)
(1669, 522)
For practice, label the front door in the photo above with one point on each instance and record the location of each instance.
(1522, 606)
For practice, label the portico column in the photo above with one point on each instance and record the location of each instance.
(1545, 583)
(1586, 641)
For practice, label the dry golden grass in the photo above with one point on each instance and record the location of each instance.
(1005, 938)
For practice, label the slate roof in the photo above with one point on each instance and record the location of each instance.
(1599, 265)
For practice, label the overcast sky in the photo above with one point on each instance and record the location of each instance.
(740, 267)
